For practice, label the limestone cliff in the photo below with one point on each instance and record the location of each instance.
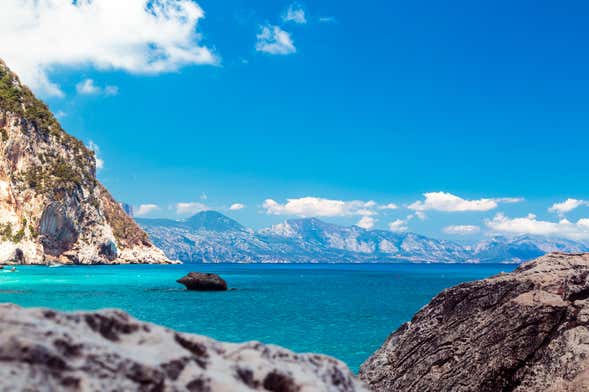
(52, 208)
(523, 331)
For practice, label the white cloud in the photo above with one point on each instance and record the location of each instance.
(420, 215)
(111, 90)
(273, 40)
(398, 226)
(295, 13)
(327, 19)
(390, 206)
(316, 206)
(146, 209)
(443, 201)
(366, 222)
(190, 208)
(87, 87)
(138, 36)
(99, 161)
(531, 225)
(462, 229)
(237, 207)
(364, 212)
(567, 206)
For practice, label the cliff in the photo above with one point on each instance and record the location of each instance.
(52, 208)
(47, 350)
(523, 331)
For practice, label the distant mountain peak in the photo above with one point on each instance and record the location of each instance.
(213, 221)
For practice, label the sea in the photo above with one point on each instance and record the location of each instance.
(343, 310)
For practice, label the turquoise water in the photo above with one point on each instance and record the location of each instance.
(342, 310)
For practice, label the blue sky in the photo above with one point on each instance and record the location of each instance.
(333, 102)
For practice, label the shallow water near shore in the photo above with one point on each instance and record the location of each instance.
(346, 311)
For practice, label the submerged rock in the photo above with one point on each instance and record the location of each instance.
(523, 331)
(42, 349)
(198, 281)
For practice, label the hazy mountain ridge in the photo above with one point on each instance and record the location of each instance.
(212, 237)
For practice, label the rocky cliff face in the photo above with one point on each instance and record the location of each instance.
(523, 331)
(52, 208)
(46, 350)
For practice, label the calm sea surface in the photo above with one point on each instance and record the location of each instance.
(342, 310)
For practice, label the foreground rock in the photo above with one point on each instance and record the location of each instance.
(198, 281)
(523, 331)
(110, 351)
(52, 207)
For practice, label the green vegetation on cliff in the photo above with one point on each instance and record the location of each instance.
(6, 232)
(18, 99)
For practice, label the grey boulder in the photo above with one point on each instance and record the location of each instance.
(45, 350)
(523, 331)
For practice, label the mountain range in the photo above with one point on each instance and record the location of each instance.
(211, 237)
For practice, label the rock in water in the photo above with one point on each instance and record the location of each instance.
(110, 351)
(523, 331)
(52, 207)
(198, 281)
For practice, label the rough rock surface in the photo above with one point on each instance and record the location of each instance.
(198, 281)
(44, 350)
(52, 208)
(523, 331)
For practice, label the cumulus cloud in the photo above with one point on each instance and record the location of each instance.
(316, 206)
(531, 225)
(273, 40)
(462, 229)
(443, 201)
(366, 222)
(398, 226)
(237, 207)
(567, 206)
(89, 87)
(295, 13)
(138, 36)
(389, 206)
(187, 208)
(99, 161)
(146, 209)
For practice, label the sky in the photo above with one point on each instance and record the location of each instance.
(456, 120)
